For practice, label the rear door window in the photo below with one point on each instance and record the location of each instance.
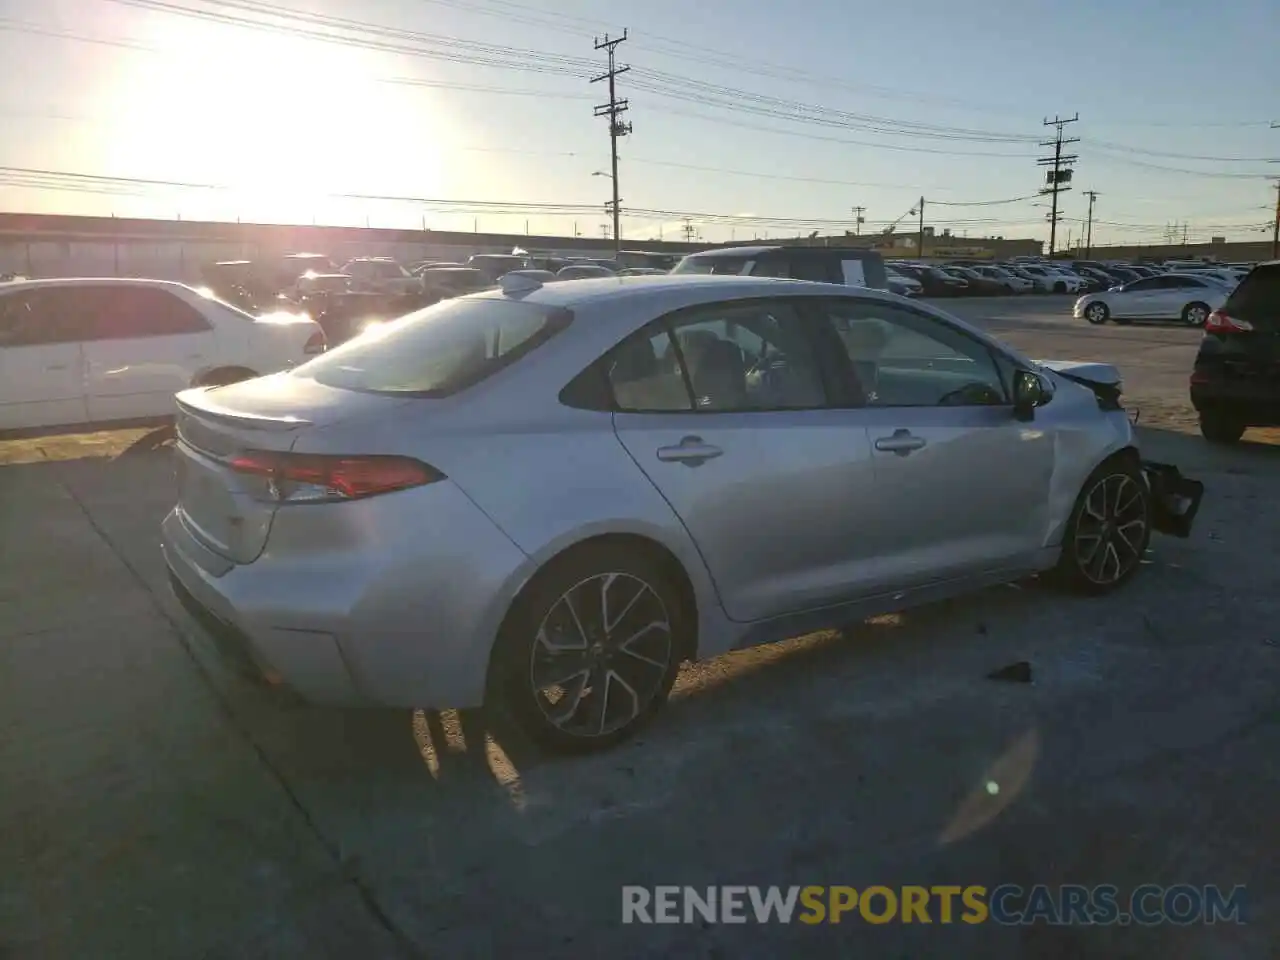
(438, 351)
(127, 313)
(1257, 298)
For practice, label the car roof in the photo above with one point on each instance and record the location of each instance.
(571, 293)
(774, 248)
(79, 281)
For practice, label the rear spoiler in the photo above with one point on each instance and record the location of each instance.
(198, 403)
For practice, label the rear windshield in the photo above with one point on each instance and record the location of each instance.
(438, 351)
(733, 266)
(1257, 298)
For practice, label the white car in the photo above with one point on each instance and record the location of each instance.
(1171, 296)
(1052, 280)
(94, 351)
(383, 275)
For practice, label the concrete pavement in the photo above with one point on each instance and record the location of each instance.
(152, 805)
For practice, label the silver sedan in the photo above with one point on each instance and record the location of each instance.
(544, 498)
(1169, 296)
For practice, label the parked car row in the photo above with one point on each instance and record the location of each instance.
(1039, 275)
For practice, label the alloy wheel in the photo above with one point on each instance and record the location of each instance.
(1196, 315)
(601, 654)
(1111, 530)
(1095, 313)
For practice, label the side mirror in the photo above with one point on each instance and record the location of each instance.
(1030, 390)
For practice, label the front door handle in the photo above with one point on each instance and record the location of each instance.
(902, 443)
(691, 451)
(57, 366)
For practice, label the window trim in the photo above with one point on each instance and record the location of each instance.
(668, 323)
(1000, 360)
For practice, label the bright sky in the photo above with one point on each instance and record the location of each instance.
(750, 119)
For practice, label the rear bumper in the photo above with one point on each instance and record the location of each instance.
(305, 662)
(1254, 401)
(396, 601)
(1175, 499)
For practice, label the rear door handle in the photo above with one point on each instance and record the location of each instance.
(691, 451)
(57, 366)
(902, 443)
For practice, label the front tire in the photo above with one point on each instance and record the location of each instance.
(1097, 313)
(1108, 530)
(1217, 428)
(1195, 314)
(590, 650)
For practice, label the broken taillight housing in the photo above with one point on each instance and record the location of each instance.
(318, 478)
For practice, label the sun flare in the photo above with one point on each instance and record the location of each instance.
(284, 126)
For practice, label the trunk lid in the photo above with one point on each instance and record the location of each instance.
(231, 512)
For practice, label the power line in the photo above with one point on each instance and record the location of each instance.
(668, 85)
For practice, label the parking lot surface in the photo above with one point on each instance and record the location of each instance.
(152, 805)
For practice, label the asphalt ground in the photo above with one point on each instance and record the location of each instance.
(153, 805)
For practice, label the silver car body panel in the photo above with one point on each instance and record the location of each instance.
(801, 523)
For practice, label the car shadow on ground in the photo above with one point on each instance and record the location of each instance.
(1190, 452)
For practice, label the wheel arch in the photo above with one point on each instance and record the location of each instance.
(665, 562)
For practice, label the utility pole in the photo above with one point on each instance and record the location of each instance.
(1275, 226)
(858, 220)
(614, 109)
(920, 234)
(688, 230)
(1088, 228)
(1060, 176)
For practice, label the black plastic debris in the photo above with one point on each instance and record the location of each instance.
(1019, 672)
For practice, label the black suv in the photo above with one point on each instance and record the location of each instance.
(856, 267)
(1236, 382)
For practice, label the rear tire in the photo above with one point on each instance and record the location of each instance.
(573, 682)
(1195, 314)
(1108, 530)
(1217, 428)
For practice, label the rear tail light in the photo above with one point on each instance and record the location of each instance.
(316, 478)
(316, 343)
(1220, 322)
(1198, 378)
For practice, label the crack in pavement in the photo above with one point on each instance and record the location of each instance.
(345, 870)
